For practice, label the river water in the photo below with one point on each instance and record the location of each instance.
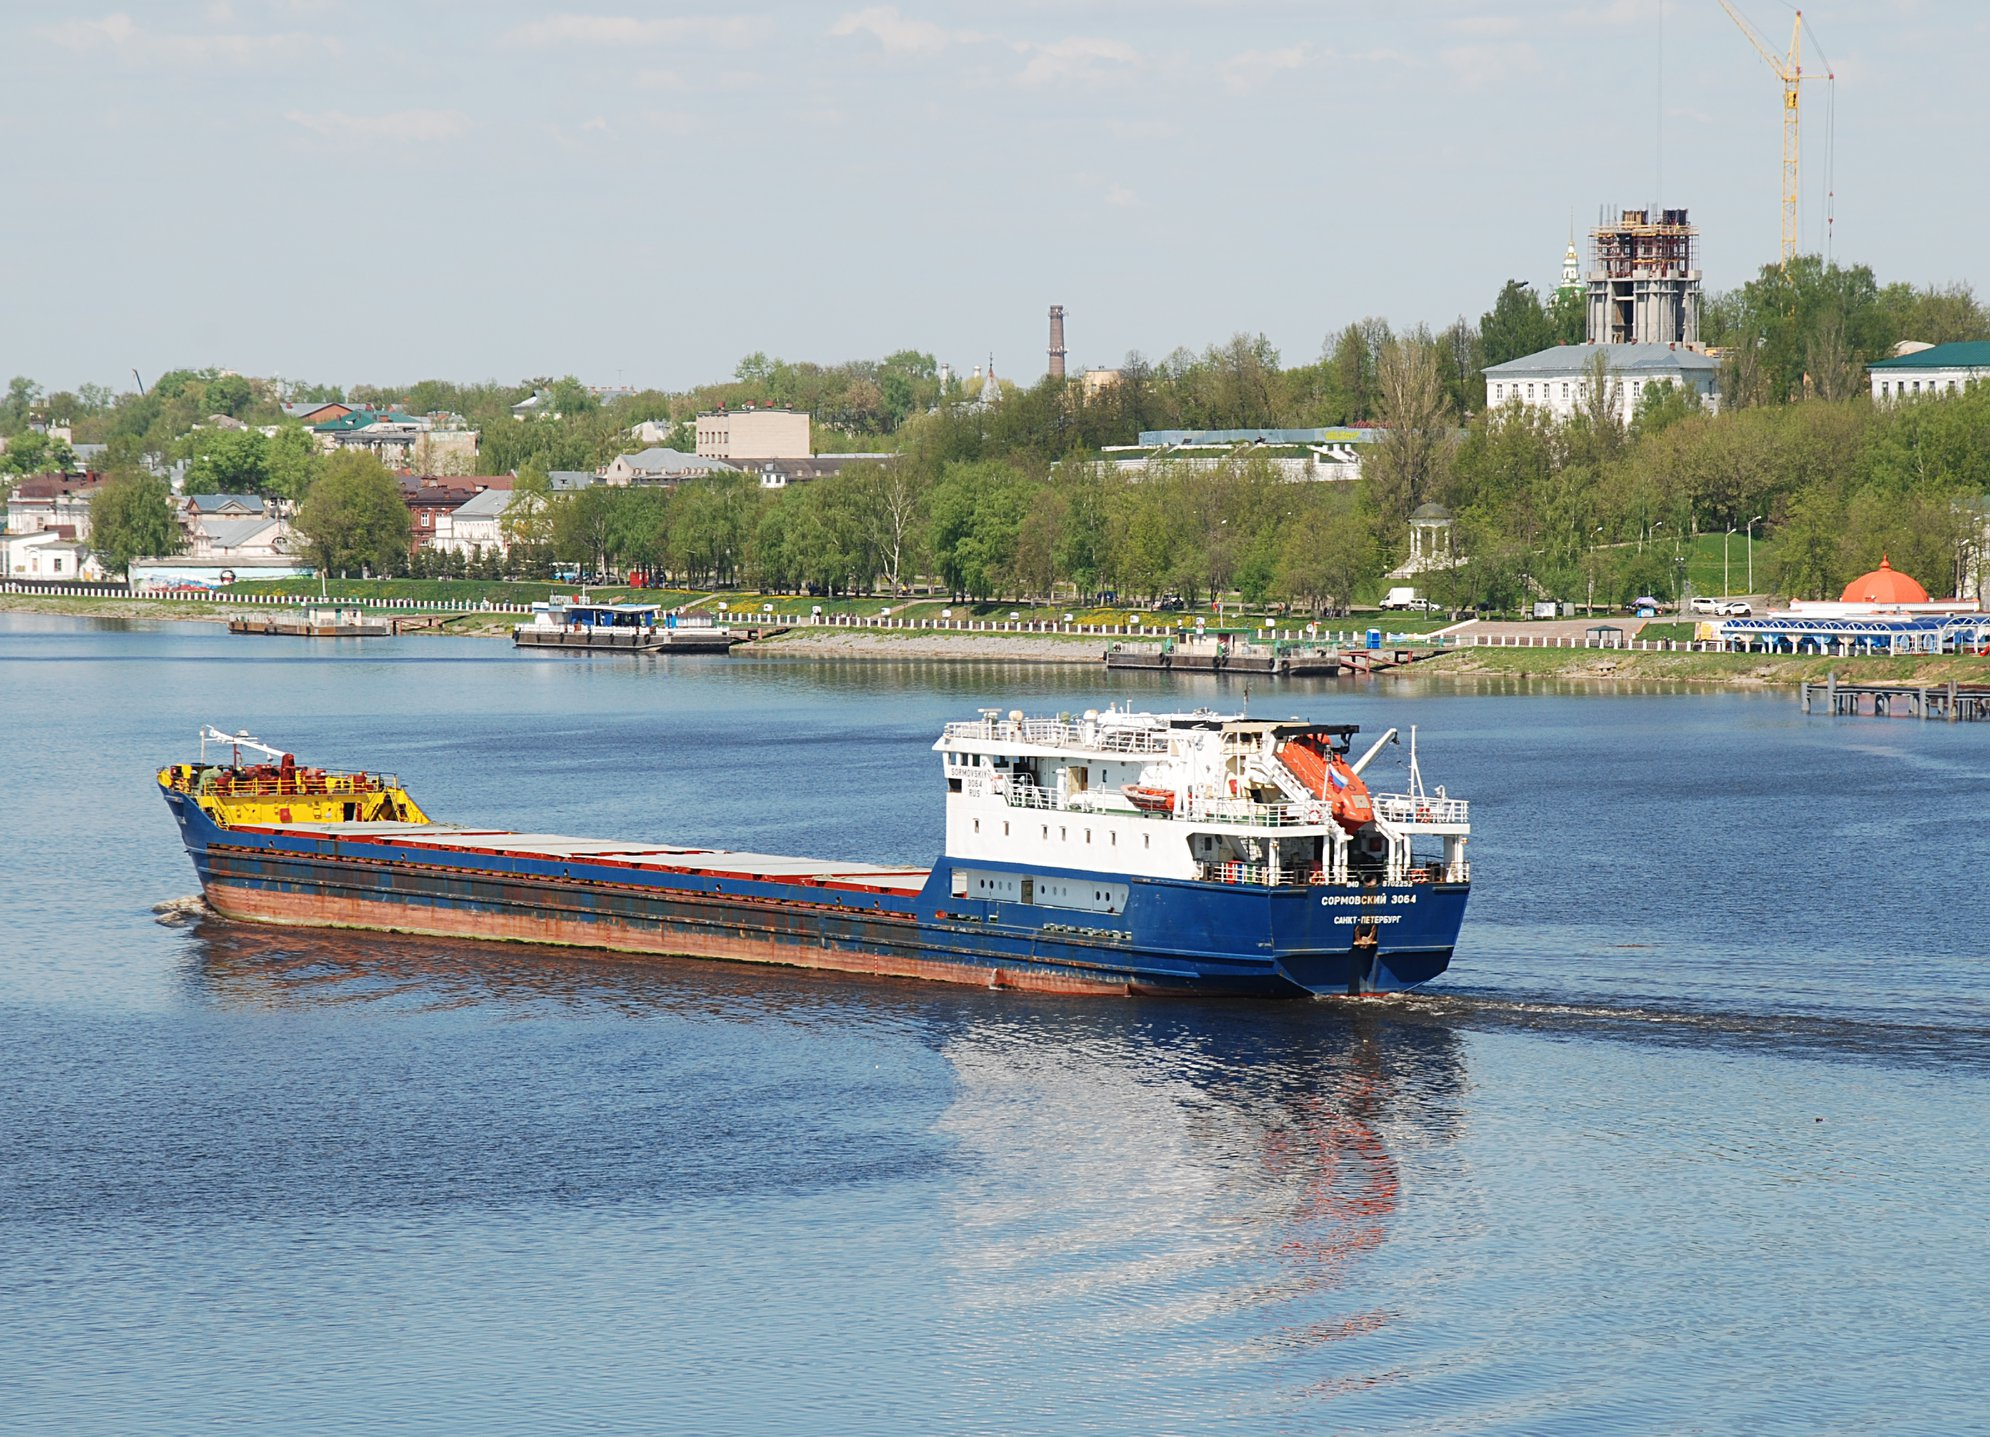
(1690, 1139)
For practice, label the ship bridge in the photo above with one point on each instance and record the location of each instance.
(1241, 799)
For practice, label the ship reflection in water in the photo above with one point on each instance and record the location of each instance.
(1178, 1191)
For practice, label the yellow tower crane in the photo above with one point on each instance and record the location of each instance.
(1790, 71)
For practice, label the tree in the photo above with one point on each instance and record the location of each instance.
(1326, 555)
(889, 504)
(22, 392)
(229, 394)
(1663, 404)
(35, 453)
(527, 521)
(1404, 470)
(354, 516)
(583, 525)
(291, 461)
(1516, 326)
(1568, 317)
(1772, 325)
(226, 461)
(131, 517)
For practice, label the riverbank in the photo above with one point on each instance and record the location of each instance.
(1725, 670)
(1461, 664)
(826, 643)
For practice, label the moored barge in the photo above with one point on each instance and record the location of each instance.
(1113, 853)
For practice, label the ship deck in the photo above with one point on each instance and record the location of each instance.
(661, 858)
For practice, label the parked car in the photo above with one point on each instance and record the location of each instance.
(1700, 605)
(1736, 609)
(1422, 606)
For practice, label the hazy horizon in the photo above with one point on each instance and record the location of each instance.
(347, 191)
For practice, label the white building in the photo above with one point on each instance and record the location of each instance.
(662, 466)
(53, 501)
(51, 553)
(235, 541)
(1315, 455)
(474, 526)
(1558, 379)
(1929, 369)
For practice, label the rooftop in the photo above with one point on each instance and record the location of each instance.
(1573, 359)
(1155, 437)
(1964, 354)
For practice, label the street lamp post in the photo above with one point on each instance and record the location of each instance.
(1724, 538)
(1751, 552)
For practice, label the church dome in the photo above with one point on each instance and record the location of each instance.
(1884, 585)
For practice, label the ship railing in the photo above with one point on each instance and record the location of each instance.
(1055, 733)
(1238, 811)
(1414, 808)
(1256, 875)
(1252, 814)
(299, 785)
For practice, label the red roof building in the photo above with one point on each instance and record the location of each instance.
(1884, 585)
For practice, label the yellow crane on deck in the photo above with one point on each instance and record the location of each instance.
(1789, 69)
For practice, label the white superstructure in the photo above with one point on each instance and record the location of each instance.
(1198, 797)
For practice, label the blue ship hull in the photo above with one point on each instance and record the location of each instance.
(1169, 936)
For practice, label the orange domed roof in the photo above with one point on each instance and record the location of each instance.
(1884, 585)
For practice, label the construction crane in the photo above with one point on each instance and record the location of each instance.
(1789, 69)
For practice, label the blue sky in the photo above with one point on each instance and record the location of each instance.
(346, 190)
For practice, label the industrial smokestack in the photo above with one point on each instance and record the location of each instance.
(1057, 341)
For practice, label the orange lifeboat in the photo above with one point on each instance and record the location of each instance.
(1150, 800)
(1330, 776)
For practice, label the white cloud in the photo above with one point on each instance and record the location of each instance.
(1121, 196)
(670, 122)
(1251, 68)
(117, 34)
(729, 30)
(1482, 67)
(1142, 129)
(899, 35)
(661, 78)
(1496, 26)
(408, 126)
(1079, 59)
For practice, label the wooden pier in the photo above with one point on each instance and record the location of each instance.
(1951, 702)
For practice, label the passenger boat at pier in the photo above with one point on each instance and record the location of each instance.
(569, 623)
(1109, 853)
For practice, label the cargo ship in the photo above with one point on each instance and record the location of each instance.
(1113, 852)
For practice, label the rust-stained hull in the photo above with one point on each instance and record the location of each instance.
(1170, 936)
(890, 954)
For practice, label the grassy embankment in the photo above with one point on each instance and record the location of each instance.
(1703, 668)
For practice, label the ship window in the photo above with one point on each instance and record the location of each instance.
(1146, 840)
(1005, 828)
(1063, 834)
(977, 825)
(1088, 835)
